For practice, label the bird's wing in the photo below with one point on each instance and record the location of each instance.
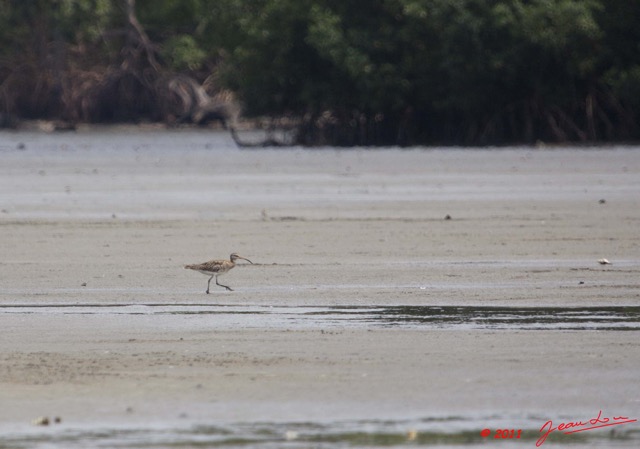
(211, 266)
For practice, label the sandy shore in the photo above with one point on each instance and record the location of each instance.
(106, 221)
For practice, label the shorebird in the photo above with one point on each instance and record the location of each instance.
(216, 268)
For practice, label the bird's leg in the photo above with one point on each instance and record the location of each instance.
(228, 288)
(209, 282)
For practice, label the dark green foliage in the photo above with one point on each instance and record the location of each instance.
(443, 71)
(366, 72)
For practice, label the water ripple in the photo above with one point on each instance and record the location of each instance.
(615, 318)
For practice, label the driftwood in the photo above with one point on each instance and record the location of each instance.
(194, 105)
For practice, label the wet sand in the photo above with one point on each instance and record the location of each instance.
(96, 226)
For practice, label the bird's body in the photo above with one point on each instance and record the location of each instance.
(215, 268)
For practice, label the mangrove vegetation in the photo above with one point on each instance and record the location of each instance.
(333, 72)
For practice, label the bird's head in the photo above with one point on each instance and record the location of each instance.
(236, 256)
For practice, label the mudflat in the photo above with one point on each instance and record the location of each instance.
(356, 253)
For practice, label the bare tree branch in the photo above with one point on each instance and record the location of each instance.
(140, 34)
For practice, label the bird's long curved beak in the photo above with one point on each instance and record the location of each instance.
(244, 258)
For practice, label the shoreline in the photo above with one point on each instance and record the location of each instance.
(102, 326)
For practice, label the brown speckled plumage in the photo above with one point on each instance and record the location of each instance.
(216, 268)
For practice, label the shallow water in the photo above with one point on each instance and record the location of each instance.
(190, 174)
(106, 176)
(431, 432)
(223, 316)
